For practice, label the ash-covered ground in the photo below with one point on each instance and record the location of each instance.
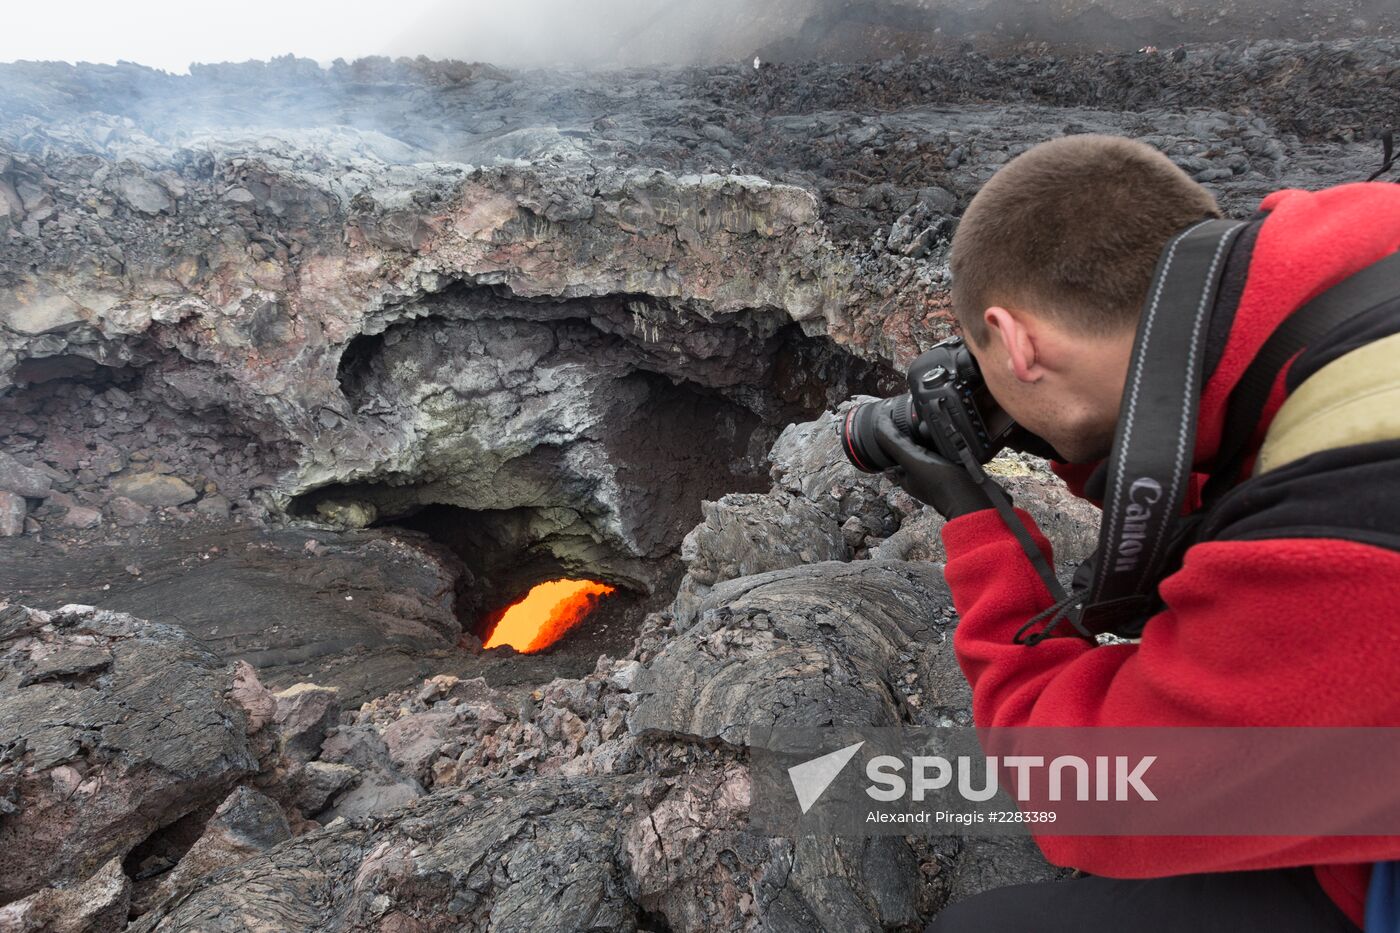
(304, 372)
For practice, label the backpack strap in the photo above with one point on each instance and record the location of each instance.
(1355, 399)
(1358, 294)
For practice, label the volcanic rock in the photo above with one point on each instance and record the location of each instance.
(97, 905)
(112, 727)
(748, 655)
(215, 506)
(657, 814)
(657, 809)
(141, 194)
(303, 714)
(259, 705)
(80, 516)
(154, 489)
(126, 512)
(260, 596)
(244, 824)
(745, 534)
(989, 863)
(22, 480)
(413, 741)
(381, 785)
(648, 253)
(12, 511)
(318, 782)
(808, 461)
(533, 855)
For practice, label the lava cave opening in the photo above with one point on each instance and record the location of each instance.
(580, 448)
(545, 614)
(501, 572)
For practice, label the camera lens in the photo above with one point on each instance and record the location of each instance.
(858, 432)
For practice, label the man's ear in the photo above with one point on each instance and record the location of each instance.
(1014, 331)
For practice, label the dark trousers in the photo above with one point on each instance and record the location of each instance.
(1287, 900)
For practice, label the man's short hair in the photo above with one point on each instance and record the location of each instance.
(1072, 228)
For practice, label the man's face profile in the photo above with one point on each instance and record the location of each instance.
(1060, 385)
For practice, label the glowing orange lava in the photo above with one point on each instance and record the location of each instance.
(546, 613)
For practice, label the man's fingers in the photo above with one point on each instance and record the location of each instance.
(901, 447)
(893, 441)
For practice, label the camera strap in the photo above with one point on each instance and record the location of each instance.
(1003, 505)
(1154, 442)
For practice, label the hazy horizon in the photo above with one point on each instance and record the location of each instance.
(169, 35)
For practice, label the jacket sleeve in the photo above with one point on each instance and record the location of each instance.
(1259, 632)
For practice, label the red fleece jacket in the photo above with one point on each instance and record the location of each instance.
(1254, 633)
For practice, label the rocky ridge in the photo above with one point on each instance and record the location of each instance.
(236, 270)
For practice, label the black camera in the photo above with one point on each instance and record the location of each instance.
(947, 409)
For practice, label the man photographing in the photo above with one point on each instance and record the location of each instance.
(1277, 603)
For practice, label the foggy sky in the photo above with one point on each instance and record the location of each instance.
(170, 34)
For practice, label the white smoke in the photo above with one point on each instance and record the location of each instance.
(170, 34)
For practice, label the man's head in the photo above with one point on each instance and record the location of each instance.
(1051, 265)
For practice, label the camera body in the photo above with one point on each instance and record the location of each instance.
(947, 409)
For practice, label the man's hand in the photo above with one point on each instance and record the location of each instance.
(928, 477)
